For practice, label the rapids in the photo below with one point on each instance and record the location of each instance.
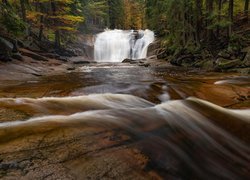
(181, 132)
(117, 45)
(122, 122)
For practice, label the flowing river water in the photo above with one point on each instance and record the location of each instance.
(116, 121)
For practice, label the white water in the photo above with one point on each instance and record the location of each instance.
(117, 45)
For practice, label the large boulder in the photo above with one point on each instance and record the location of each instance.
(246, 61)
(183, 60)
(161, 53)
(6, 48)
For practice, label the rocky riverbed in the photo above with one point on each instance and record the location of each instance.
(72, 118)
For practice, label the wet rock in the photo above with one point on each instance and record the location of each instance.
(161, 54)
(185, 60)
(71, 68)
(144, 64)
(81, 62)
(51, 55)
(153, 47)
(127, 60)
(88, 51)
(207, 64)
(32, 55)
(67, 52)
(137, 61)
(64, 59)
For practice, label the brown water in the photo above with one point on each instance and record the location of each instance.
(126, 122)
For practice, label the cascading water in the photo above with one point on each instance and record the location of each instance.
(117, 45)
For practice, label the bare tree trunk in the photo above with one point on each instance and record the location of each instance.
(57, 39)
(23, 10)
(219, 16)
(198, 20)
(41, 22)
(230, 17)
(210, 8)
(57, 32)
(246, 9)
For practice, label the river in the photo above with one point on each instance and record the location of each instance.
(122, 121)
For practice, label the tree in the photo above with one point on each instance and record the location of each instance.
(53, 15)
(209, 8)
(23, 10)
(230, 16)
(198, 20)
(219, 16)
(246, 9)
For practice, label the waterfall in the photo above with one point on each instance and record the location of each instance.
(117, 45)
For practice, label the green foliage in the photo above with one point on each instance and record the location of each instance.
(188, 23)
(236, 43)
(11, 21)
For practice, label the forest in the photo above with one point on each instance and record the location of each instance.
(181, 23)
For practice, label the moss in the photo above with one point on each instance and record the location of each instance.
(227, 64)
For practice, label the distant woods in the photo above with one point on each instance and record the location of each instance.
(44, 19)
(192, 22)
(180, 22)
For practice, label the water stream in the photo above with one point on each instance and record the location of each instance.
(116, 121)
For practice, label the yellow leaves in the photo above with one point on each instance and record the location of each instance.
(62, 20)
(32, 15)
(134, 15)
(68, 18)
(65, 28)
(57, 1)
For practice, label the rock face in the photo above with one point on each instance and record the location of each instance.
(33, 55)
(84, 46)
(153, 48)
(6, 49)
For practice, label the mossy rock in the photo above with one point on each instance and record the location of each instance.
(207, 64)
(224, 54)
(225, 64)
(6, 48)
